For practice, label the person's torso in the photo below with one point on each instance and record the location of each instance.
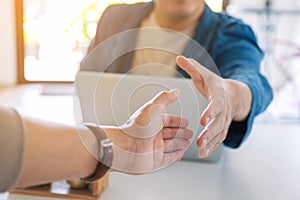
(160, 60)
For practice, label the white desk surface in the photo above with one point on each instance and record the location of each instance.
(267, 166)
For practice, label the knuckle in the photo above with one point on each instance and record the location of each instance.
(171, 121)
(223, 135)
(220, 102)
(168, 133)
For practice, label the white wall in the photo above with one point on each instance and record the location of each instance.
(284, 27)
(7, 43)
(282, 4)
(284, 35)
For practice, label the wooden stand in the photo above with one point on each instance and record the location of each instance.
(63, 190)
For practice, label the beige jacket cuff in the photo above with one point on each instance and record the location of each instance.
(12, 139)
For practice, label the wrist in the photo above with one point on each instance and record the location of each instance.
(104, 153)
(88, 161)
(241, 98)
(123, 148)
(119, 137)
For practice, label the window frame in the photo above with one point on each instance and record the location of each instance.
(19, 6)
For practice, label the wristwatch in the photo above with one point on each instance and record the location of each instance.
(105, 153)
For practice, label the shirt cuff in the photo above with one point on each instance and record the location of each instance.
(12, 138)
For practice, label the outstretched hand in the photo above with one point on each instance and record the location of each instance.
(151, 139)
(225, 103)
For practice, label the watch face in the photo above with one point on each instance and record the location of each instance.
(106, 152)
(106, 143)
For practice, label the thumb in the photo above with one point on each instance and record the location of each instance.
(191, 67)
(165, 98)
(196, 72)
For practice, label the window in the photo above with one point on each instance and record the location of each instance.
(282, 53)
(53, 35)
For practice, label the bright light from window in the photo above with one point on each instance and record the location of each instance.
(57, 34)
(215, 5)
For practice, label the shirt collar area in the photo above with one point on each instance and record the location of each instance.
(206, 22)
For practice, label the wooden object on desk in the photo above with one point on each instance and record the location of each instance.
(63, 190)
(99, 186)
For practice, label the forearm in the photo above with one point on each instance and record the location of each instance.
(54, 152)
(12, 147)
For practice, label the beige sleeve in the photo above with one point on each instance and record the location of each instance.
(11, 147)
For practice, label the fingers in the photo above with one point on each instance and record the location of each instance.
(165, 98)
(214, 127)
(176, 145)
(180, 158)
(170, 158)
(208, 149)
(175, 121)
(213, 109)
(206, 115)
(213, 135)
(174, 148)
(179, 133)
(172, 151)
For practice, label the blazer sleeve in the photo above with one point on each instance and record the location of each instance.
(12, 147)
(238, 57)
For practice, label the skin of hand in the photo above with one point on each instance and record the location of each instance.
(228, 100)
(151, 139)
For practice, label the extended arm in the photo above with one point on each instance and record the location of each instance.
(52, 151)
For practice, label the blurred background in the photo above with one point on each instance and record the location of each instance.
(275, 24)
(55, 34)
